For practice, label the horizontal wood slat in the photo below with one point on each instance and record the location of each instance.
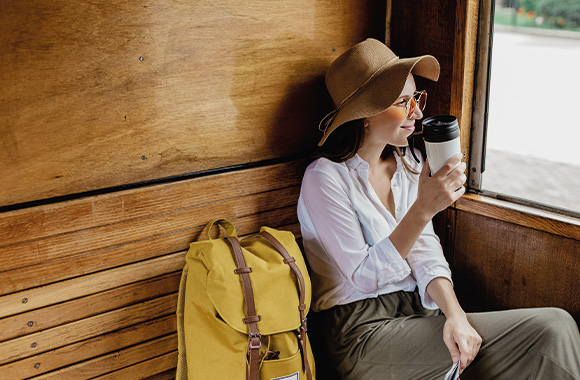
(55, 219)
(42, 319)
(103, 238)
(20, 279)
(139, 371)
(81, 286)
(115, 360)
(525, 216)
(167, 375)
(89, 348)
(36, 343)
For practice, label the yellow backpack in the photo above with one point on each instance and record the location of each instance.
(242, 309)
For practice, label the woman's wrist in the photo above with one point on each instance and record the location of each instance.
(420, 213)
(441, 291)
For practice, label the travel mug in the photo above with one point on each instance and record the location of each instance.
(441, 136)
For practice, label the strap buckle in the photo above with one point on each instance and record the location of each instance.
(304, 325)
(255, 335)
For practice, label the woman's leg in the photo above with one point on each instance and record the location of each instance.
(517, 344)
(391, 337)
(526, 344)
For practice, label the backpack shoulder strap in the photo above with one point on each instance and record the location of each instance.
(251, 318)
(302, 305)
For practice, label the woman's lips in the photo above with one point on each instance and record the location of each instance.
(409, 128)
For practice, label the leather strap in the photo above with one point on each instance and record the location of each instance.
(251, 318)
(224, 223)
(302, 337)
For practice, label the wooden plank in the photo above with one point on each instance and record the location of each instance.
(81, 286)
(115, 360)
(24, 278)
(501, 265)
(117, 92)
(99, 238)
(525, 216)
(43, 341)
(139, 371)
(88, 349)
(81, 214)
(167, 375)
(62, 313)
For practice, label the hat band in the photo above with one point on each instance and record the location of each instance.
(329, 118)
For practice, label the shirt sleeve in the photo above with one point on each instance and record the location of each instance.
(338, 232)
(426, 257)
(427, 262)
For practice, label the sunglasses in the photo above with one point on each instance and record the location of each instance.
(419, 99)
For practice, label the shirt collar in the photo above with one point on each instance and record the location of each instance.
(354, 162)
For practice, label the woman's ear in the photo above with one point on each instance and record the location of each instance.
(366, 123)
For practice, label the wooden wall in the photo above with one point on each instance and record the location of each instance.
(101, 94)
(124, 128)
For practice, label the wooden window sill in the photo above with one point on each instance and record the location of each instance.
(526, 216)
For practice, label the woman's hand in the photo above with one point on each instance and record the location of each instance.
(438, 192)
(461, 339)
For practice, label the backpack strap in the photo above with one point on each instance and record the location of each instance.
(251, 318)
(302, 305)
(226, 225)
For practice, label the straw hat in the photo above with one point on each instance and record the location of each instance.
(367, 79)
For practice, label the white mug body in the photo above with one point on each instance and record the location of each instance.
(438, 153)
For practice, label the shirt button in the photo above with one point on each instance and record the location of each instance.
(398, 209)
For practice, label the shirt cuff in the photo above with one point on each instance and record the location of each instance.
(430, 274)
(399, 267)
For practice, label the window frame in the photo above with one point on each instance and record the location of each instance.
(479, 118)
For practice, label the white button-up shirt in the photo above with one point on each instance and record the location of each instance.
(345, 230)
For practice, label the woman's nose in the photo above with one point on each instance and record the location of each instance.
(417, 114)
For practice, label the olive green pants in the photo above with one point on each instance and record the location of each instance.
(393, 337)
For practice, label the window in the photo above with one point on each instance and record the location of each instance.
(526, 128)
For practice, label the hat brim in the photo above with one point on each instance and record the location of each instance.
(373, 99)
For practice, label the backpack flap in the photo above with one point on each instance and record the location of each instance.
(276, 289)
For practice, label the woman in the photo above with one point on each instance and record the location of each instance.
(378, 271)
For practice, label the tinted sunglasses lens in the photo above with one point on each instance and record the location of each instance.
(411, 104)
(422, 100)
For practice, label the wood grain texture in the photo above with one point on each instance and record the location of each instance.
(105, 238)
(80, 308)
(114, 92)
(84, 350)
(115, 360)
(139, 371)
(31, 224)
(62, 291)
(501, 265)
(73, 332)
(525, 216)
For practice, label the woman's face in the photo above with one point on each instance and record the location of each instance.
(391, 126)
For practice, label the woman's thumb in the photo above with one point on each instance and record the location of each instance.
(426, 169)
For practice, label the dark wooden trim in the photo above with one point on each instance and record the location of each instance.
(525, 216)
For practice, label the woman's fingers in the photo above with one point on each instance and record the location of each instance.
(452, 347)
(461, 339)
(449, 166)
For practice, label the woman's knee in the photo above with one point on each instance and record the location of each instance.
(553, 323)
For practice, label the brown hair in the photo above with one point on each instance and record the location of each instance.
(345, 141)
